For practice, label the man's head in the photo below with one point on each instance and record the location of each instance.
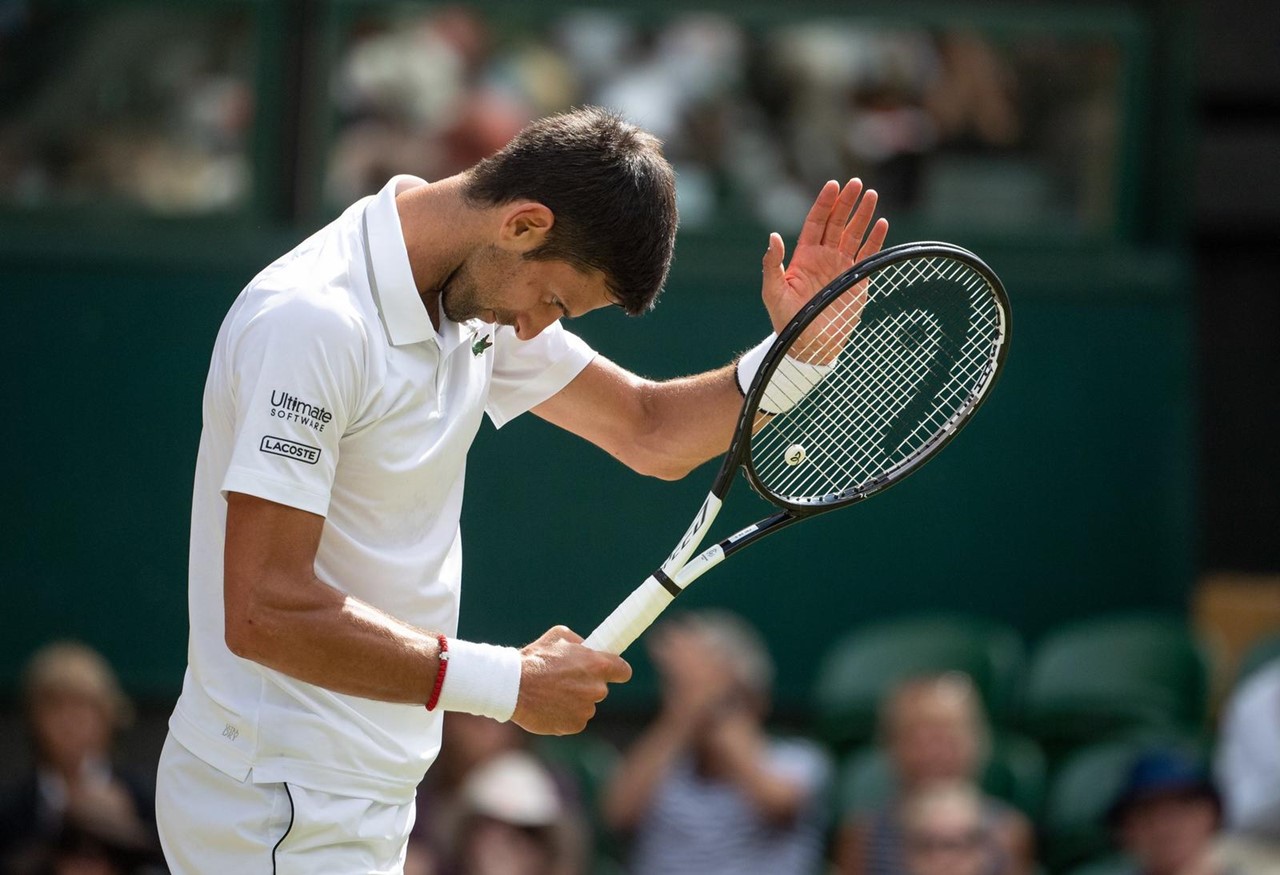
(609, 193)
(944, 832)
(934, 729)
(512, 818)
(74, 704)
(1167, 812)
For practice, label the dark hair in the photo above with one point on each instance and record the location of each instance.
(612, 193)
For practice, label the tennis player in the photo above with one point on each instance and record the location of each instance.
(346, 385)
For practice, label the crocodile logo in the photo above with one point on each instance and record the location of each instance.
(481, 344)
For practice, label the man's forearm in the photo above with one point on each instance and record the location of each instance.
(691, 419)
(664, 429)
(313, 632)
(279, 614)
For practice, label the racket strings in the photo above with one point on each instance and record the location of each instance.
(899, 378)
(889, 385)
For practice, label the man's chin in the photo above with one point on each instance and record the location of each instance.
(455, 313)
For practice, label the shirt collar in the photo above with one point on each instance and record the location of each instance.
(390, 276)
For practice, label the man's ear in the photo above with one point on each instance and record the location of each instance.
(525, 226)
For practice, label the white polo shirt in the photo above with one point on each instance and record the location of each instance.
(329, 390)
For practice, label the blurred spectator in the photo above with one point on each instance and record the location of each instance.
(75, 812)
(446, 799)
(1248, 769)
(1249, 755)
(510, 810)
(972, 100)
(704, 789)
(413, 99)
(946, 832)
(1167, 814)
(933, 730)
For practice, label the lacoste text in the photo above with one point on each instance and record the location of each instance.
(290, 449)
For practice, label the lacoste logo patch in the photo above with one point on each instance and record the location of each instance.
(290, 449)
(481, 344)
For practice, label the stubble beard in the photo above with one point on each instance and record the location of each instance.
(461, 295)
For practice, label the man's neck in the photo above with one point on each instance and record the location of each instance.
(439, 229)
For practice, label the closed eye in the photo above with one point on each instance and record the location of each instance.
(563, 309)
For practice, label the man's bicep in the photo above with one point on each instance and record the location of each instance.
(603, 404)
(266, 543)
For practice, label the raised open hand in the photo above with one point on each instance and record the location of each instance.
(833, 237)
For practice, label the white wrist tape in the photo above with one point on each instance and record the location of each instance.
(791, 380)
(751, 361)
(482, 679)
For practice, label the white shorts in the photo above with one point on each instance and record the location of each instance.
(211, 823)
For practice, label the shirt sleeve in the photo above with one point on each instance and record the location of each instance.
(296, 376)
(528, 372)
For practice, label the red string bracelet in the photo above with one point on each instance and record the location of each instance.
(443, 658)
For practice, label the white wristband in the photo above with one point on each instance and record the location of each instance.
(751, 360)
(791, 380)
(482, 679)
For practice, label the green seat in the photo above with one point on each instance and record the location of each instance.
(864, 784)
(1099, 677)
(1074, 822)
(865, 664)
(1113, 864)
(1015, 772)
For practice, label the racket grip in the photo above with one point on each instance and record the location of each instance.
(629, 619)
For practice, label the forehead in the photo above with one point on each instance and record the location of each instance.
(931, 706)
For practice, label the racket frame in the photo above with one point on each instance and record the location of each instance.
(739, 452)
(638, 611)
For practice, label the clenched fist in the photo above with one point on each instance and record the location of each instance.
(561, 681)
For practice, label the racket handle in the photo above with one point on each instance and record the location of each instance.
(629, 619)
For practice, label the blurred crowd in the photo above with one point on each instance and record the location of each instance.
(156, 106)
(707, 785)
(122, 105)
(749, 116)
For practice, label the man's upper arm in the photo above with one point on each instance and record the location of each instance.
(269, 560)
(662, 429)
(604, 404)
(296, 372)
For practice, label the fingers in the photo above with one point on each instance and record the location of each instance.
(562, 681)
(839, 217)
(856, 229)
(875, 240)
(774, 255)
(618, 671)
(815, 224)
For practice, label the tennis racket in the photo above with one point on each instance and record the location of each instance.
(871, 379)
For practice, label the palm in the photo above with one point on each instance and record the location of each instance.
(833, 237)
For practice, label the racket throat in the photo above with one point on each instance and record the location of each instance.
(693, 537)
